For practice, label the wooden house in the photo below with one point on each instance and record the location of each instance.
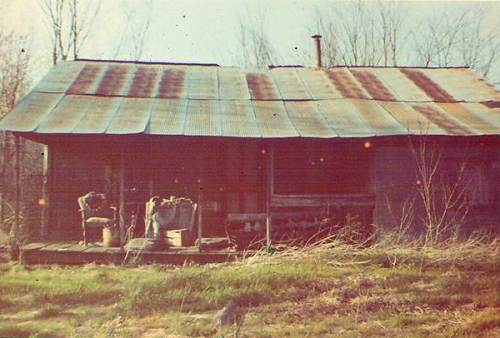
(247, 144)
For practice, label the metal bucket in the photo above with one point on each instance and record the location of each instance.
(110, 237)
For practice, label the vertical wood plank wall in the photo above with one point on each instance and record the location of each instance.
(46, 190)
(232, 176)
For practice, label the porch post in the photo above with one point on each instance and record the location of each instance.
(200, 203)
(121, 182)
(269, 193)
(151, 172)
(14, 230)
(47, 168)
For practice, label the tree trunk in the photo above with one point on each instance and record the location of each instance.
(3, 181)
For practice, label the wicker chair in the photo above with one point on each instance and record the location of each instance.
(96, 213)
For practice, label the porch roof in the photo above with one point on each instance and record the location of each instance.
(111, 97)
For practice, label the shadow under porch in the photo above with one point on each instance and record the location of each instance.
(223, 176)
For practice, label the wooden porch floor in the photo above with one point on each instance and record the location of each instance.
(75, 254)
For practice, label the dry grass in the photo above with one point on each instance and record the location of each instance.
(389, 288)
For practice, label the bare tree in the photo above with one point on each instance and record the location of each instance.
(255, 48)
(437, 38)
(14, 82)
(444, 200)
(374, 33)
(353, 35)
(69, 23)
(479, 47)
(391, 30)
(137, 29)
(13, 70)
(359, 45)
(458, 37)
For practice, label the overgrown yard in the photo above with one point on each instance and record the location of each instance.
(328, 290)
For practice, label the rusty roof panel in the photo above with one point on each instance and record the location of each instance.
(372, 84)
(378, 119)
(473, 120)
(115, 80)
(238, 119)
(411, 120)
(232, 84)
(132, 117)
(318, 84)
(128, 80)
(98, 116)
(431, 88)
(168, 117)
(60, 77)
(65, 116)
(203, 83)
(203, 118)
(173, 83)
(87, 79)
(273, 120)
(262, 86)
(462, 84)
(289, 84)
(144, 82)
(308, 120)
(28, 112)
(437, 116)
(345, 83)
(403, 88)
(492, 116)
(343, 117)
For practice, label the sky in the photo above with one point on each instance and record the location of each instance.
(188, 30)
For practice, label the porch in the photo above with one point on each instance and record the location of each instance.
(72, 253)
(260, 187)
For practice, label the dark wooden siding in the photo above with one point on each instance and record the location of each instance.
(397, 181)
(229, 174)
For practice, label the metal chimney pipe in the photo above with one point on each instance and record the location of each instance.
(317, 41)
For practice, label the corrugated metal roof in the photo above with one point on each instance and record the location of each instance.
(132, 117)
(96, 97)
(262, 87)
(318, 84)
(232, 84)
(97, 119)
(308, 120)
(172, 83)
(289, 84)
(346, 84)
(168, 117)
(66, 115)
(203, 118)
(343, 117)
(273, 120)
(406, 116)
(238, 119)
(438, 116)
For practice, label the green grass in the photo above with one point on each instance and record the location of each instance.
(326, 290)
(201, 289)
